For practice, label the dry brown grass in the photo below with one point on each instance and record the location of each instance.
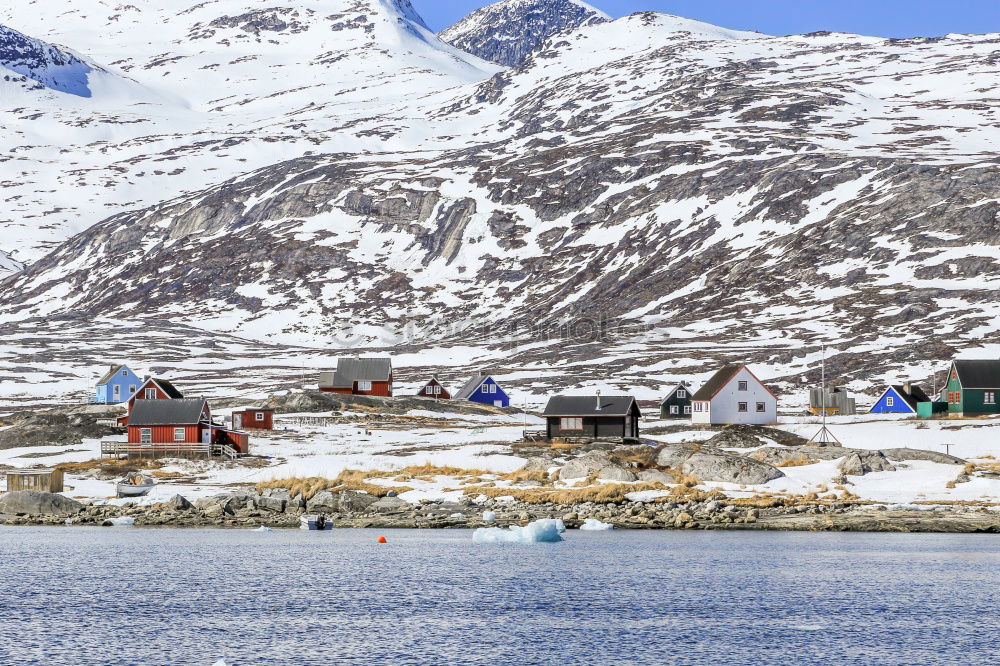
(605, 493)
(349, 479)
(797, 462)
(950, 484)
(562, 446)
(526, 475)
(110, 466)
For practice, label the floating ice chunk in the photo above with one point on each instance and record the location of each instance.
(457, 515)
(221, 662)
(263, 528)
(124, 521)
(489, 517)
(594, 525)
(543, 530)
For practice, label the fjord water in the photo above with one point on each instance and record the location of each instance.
(143, 596)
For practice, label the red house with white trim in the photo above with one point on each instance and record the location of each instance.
(359, 376)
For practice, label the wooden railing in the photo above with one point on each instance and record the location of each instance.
(130, 449)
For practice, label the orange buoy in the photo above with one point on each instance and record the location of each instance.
(383, 540)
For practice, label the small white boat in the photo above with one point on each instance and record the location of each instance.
(134, 485)
(310, 522)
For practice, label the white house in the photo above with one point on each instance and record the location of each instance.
(734, 395)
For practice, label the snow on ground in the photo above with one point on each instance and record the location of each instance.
(482, 442)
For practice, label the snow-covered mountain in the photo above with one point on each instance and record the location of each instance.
(506, 31)
(636, 198)
(46, 65)
(187, 95)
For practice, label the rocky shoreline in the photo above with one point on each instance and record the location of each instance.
(349, 509)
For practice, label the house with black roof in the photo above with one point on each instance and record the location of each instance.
(899, 399)
(677, 403)
(592, 417)
(359, 376)
(973, 387)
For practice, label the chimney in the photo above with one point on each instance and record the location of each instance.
(112, 368)
(906, 386)
(598, 401)
(482, 373)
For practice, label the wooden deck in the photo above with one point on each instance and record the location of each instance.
(118, 449)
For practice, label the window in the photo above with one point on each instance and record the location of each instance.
(741, 386)
(890, 401)
(681, 393)
(687, 409)
(179, 434)
(131, 389)
(989, 398)
(958, 397)
(124, 373)
(259, 416)
(674, 410)
(364, 386)
(954, 374)
(151, 394)
(742, 407)
(145, 435)
(571, 424)
(699, 407)
(761, 407)
(489, 388)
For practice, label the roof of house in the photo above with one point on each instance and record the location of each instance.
(470, 386)
(913, 396)
(350, 370)
(184, 411)
(168, 388)
(587, 405)
(682, 385)
(724, 375)
(110, 373)
(984, 374)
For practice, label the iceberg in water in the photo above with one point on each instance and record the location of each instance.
(543, 530)
(594, 525)
(262, 528)
(489, 517)
(124, 521)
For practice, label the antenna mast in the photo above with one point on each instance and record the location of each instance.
(824, 437)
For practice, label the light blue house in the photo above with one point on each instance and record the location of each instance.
(116, 386)
(899, 399)
(483, 389)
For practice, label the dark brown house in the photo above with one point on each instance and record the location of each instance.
(359, 376)
(592, 417)
(434, 389)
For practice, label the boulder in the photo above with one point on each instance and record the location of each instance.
(859, 463)
(227, 503)
(390, 505)
(352, 501)
(656, 476)
(37, 503)
(900, 455)
(777, 455)
(643, 456)
(323, 502)
(615, 473)
(735, 437)
(729, 469)
(538, 464)
(178, 503)
(674, 455)
(272, 503)
(587, 464)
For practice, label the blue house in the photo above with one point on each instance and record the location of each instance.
(899, 399)
(117, 385)
(483, 389)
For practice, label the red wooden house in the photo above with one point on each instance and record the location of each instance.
(180, 426)
(434, 389)
(254, 418)
(151, 389)
(359, 376)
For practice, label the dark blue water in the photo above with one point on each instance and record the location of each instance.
(137, 596)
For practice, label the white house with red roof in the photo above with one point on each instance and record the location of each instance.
(734, 395)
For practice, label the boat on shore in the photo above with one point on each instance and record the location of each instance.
(135, 485)
(311, 522)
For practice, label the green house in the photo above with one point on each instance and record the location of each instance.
(973, 387)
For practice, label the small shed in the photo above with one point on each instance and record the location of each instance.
(434, 389)
(44, 480)
(592, 417)
(254, 418)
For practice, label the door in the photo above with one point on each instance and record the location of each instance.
(498, 403)
(206, 436)
(117, 393)
(237, 421)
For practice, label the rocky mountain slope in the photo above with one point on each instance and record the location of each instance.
(188, 95)
(506, 31)
(634, 200)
